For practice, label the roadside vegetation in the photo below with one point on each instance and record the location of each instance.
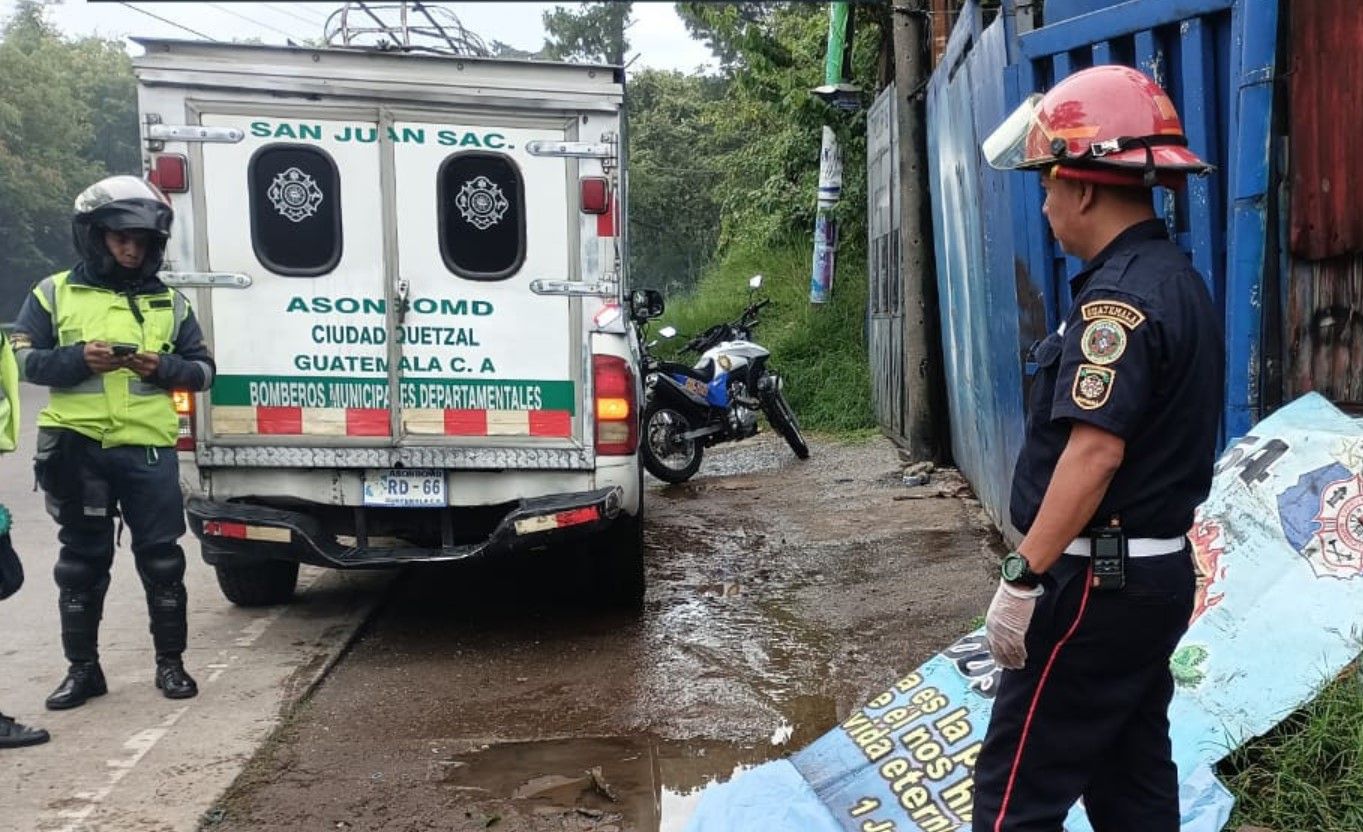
(820, 351)
(1307, 774)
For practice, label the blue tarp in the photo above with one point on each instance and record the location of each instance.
(1279, 615)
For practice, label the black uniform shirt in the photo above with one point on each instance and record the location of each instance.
(1142, 356)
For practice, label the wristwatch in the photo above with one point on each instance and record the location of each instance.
(1016, 570)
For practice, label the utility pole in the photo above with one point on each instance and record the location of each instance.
(830, 160)
(922, 344)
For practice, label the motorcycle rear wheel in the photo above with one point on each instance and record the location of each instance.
(782, 418)
(664, 457)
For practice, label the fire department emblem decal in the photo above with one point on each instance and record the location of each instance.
(295, 195)
(481, 203)
(1104, 341)
(1337, 549)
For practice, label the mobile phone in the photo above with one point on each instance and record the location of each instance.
(1109, 558)
(125, 349)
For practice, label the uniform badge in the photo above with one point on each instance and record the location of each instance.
(1092, 386)
(1124, 314)
(20, 340)
(1103, 341)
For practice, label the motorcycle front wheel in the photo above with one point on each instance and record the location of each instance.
(666, 457)
(782, 418)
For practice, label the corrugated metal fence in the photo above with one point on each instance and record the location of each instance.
(1002, 281)
(885, 300)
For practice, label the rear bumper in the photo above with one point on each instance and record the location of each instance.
(245, 533)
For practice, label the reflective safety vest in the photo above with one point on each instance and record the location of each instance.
(115, 408)
(9, 397)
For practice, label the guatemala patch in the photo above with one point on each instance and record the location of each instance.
(1125, 314)
(1092, 386)
(1103, 341)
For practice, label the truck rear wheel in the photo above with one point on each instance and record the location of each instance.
(260, 584)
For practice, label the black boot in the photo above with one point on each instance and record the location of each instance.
(173, 681)
(83, 681)
(15, 735)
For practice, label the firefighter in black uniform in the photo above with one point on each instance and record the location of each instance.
(1121, 437)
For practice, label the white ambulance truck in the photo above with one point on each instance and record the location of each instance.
(411, 270)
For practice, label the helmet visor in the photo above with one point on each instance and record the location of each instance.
(1006, 147)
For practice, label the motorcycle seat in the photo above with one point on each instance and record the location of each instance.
(705, 374)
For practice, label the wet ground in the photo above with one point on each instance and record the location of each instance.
(781, 594)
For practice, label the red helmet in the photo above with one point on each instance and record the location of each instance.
(1108, 124)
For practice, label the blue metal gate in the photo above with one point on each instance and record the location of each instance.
(1002, 279)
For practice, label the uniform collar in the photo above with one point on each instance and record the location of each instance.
(80, 275)
(1144, 231)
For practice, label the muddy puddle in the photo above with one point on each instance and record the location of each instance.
(638, 783)
(781, 595)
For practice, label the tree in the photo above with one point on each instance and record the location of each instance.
(67, 118)
(595, 32)
(772, 56)
(675, 179)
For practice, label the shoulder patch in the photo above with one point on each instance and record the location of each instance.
(1125, 314)
(1103, 341)
(20, 340)
(1092, 386)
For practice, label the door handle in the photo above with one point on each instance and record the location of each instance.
(401, 289)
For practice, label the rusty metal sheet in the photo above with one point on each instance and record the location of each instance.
(1326, 121)
(1325, 330)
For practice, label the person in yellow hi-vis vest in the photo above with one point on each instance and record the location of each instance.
(12, 733)
(112, 342)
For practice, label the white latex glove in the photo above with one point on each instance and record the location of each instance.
(1006, 623)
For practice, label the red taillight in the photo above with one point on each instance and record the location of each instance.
(617, 418)
(170, 173)
(184, 408)
(596, 195)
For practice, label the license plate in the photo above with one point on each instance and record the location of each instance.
(404, 487)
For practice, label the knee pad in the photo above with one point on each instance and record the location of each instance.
(162, 565)
(80, 574)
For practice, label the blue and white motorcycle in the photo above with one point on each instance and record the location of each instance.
(689, 408)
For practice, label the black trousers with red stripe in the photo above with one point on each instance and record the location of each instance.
(1088, 715)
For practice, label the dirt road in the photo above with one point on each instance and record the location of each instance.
(780, 595)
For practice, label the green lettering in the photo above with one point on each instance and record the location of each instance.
(414, 135)
(495, 141)
(447, 137)
(482, 308)
(284, 131)
(310, 131)
(470, 140)
(260, 129)
(487, 366)
(297, 304)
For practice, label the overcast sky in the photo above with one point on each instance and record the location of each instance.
(657, 35)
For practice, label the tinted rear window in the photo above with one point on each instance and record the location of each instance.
(295, 194)
(482, 215)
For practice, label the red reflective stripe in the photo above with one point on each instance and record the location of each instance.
(551, 423)
(221, 529)
(1036, 698)
(360, 421)
(466, 422)
(605, 223)
(279, 420)
(577, 516)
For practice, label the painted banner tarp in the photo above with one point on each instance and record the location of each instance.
(1279, 614)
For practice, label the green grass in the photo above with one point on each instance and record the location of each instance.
(1307, 774)
(820, 351)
